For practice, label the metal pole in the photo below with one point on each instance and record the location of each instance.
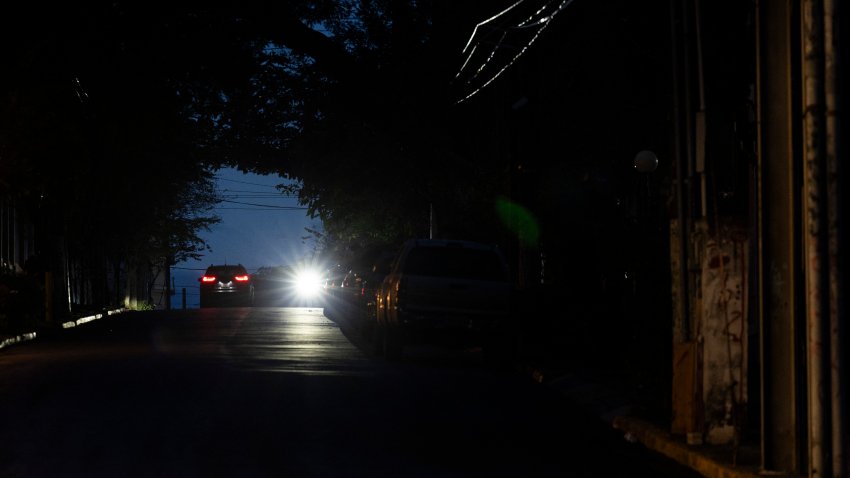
(816, 235)
(681, 191)
(168, 285)
(431, 221)
(836, 306)
(777, 245)
(699, 160)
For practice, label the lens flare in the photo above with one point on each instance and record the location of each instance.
(308, 283)
(519, 220)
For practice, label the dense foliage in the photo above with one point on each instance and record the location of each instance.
(138, 104)
(116, 115)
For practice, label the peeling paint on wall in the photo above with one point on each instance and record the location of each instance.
(723, 335)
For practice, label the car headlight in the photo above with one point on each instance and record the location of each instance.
(308, 283)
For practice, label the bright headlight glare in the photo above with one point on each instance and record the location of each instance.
(307, 283)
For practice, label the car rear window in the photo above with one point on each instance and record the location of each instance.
(227, 270)
(459, 263)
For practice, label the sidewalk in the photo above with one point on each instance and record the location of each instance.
(639, 412)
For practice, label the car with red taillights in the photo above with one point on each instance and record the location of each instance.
(226, 285)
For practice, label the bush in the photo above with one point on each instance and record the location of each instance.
(143, 306)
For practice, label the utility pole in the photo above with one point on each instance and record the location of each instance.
(167, 295)
(779, 248)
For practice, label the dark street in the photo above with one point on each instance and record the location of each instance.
(626, 217)
(283, 392)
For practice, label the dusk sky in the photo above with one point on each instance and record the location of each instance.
(259, 227)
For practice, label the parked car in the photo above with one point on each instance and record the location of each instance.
(447, 291)
(372, 281)
(272, 285)
(226, 285)
(336, 301)
(370, 285)
(334, 276)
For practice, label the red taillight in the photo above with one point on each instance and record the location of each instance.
(241, 278)
(208, 279)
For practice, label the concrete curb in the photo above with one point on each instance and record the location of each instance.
(7, 341)
(15, 339)
(83, 320)
(662, 442)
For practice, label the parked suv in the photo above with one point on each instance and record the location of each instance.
(223, 285)
(440, 290)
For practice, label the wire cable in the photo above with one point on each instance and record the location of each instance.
(539, 20)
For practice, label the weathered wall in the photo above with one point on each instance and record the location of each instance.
(722, 330)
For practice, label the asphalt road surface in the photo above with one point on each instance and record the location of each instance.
(283, 392)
